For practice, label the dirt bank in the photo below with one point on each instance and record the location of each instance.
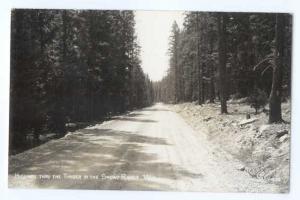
(263, 148)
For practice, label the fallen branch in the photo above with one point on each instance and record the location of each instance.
(247, 121)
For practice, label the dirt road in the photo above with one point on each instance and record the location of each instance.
(148, 149)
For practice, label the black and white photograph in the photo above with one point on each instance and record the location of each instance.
(150, 100)
(154, 99)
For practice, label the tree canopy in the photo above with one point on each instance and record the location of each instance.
(72, 66)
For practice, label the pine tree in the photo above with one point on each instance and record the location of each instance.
(221, 20)
(276, 90)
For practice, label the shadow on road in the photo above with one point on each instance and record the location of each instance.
(134, 114)
(122, 136)
(102, 152)
(134, 119)
(154, 109)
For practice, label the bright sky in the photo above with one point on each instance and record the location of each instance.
(153, 29)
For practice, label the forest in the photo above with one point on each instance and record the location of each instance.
(71, 67)
(83, 106)
(222, 56)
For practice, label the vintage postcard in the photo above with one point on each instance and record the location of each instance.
(150, 100)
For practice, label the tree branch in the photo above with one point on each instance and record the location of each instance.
(262, 73)
(261, 62)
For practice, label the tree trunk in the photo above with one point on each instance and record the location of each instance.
(212, 90)
(212, 95)
(199, 65)
(275, 95)
(221, 21)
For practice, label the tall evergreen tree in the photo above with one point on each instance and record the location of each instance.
(221, 21)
